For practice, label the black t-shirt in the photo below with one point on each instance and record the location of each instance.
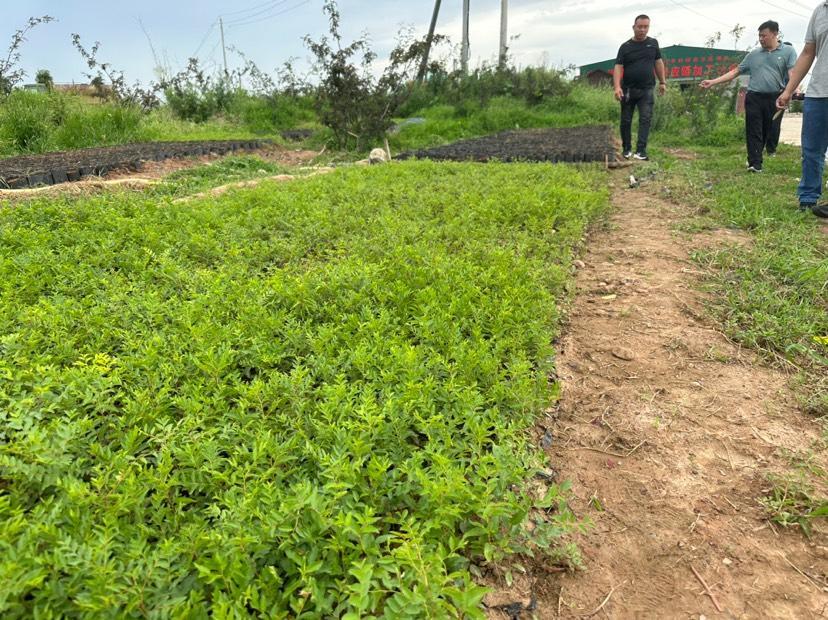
(638, 58)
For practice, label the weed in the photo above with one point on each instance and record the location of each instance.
(791, 500)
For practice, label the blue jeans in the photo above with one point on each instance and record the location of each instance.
(814, 144)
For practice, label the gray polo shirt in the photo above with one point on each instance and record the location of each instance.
(817, 33)
(768, 69)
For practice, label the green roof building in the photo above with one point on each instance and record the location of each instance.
(685, 64)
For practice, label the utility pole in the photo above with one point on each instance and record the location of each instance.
(429, 39)
(224, 49)
(464, 46)
(504, 10)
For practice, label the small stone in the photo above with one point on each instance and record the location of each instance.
(623, 354)
(579, 264)
(377, 156)
(727, 561)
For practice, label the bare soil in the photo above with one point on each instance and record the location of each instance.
(668, 431)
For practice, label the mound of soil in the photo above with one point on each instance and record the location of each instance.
(560, 144)
(51, 168)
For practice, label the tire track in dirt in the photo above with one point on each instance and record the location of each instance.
(667, 432)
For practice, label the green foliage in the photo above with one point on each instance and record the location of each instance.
(357, 107)
(225, 170)
(32, 122)
(36, 122)
(196, 96)
(699, 117)
(10, 72)
(44, 77)
(301, 400)
(532, 85)
(793, 501)
(271, 113)
(445, 123)
(26, 122)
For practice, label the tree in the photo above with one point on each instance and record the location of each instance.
(10, 73)
(350, 100)
(44, 77)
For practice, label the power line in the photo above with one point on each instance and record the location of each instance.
(272, 6)
(256, 21)
(802, 5)
(204, 40)
(252, 8)
(687, 8)
(786, 9)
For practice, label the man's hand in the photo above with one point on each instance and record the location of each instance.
(783, 100)
(706, 83)
(619, 94)
(662, 88)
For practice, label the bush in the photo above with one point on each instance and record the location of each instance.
(356, 106)
(694, 113)
(195, 96)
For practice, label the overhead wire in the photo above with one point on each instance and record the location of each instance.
(801, 5)
(204, 39)
(282, 12)
(687, 8)
(782, 8)
(252, 8)
(273, 5)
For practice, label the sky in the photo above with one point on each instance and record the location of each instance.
(137, 36)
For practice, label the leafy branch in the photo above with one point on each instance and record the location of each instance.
(10, 73)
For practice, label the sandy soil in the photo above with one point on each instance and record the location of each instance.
(667, 432)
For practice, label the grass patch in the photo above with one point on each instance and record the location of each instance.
(800, 496)
(308, 399)
(221, 172)
(770, 293)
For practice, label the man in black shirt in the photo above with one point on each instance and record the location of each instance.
(639, 61)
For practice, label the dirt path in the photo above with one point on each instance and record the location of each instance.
(791, 129)
(667, 432)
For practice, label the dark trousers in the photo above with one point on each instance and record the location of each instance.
(773, 139)
(759, 111)
(643, 99)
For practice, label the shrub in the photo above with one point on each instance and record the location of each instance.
(355, 105)
(194, 95)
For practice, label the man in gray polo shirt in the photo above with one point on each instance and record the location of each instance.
(769, 66)
(815, 110)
